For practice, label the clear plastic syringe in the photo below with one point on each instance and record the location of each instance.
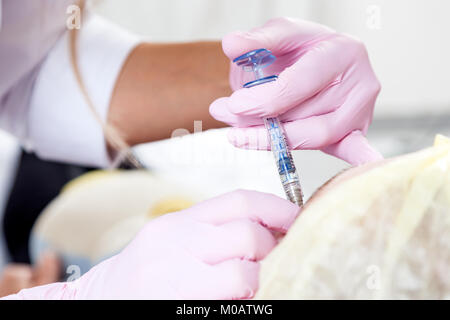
(254, 61)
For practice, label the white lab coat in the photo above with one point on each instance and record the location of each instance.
(40, 102)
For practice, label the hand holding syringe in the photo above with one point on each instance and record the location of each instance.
(255, 61)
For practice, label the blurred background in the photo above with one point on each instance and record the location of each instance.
(408, 43)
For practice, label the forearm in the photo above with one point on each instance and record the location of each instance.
(163, 87)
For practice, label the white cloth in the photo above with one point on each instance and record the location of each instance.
(40, 101)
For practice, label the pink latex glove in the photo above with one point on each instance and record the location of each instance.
(325, 93)
(209, 251)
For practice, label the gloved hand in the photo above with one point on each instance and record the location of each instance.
(325, 93)
(209, 251)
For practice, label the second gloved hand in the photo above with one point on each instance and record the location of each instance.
(325, 93)
(209, 251)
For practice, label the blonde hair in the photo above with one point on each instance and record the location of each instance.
(381, 234)
(111, 134)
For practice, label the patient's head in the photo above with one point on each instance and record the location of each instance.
(377, 231)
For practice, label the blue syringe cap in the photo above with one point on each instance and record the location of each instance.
(254, 61)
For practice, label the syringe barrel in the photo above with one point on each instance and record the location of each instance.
(284, 161)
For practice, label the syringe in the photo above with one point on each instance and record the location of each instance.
(255, 61)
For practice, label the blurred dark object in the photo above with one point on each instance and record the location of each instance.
(37, 182)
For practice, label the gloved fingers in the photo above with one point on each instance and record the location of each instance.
(316, 132)
(267, 209)
(233, 279)
(326, 101)
(355, 149)
(317, 69)
(278, 35)
(219, 111)
(310, 133)
(242, 239)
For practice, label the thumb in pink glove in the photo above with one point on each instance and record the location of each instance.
(325, 93)
(209, 251)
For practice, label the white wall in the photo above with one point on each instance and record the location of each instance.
(410, 51)
(181, 20)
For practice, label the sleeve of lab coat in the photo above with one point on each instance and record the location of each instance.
(61, 126)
